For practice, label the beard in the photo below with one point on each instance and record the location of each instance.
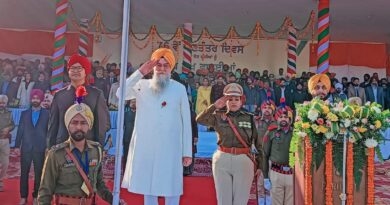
(266, 113)
(35, 104)
(283, 123)
(321, 95)
(78, 135)
(159, 82)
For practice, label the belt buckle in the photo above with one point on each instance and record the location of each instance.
(286, 168)
(234, 151)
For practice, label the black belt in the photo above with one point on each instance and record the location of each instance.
(280, 168)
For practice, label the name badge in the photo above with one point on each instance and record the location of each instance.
(93, 162)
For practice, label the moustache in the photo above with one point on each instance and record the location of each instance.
(266, 113)
(283, 123)
(78, 135)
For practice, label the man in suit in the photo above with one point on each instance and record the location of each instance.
(272, 83)
(252, 97)
(283, 91)
(9, 88)
(217, 89)
(79, 68)
(263, 93)
(356, 91)
(375, 92)
(366, 82)
(101, 82)
(299, 95)
(31, 139)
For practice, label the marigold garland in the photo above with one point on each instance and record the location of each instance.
(350, 178)
(308, 176)
(370, 177)
(329, 173)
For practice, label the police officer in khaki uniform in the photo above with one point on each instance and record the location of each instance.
(6, 126)
(233, 165)
(276, 142)
(263, 122)
(72, 172)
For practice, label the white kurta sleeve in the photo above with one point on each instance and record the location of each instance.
(186, 122)
(131, 85)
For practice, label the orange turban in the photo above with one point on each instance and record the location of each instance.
(165, 53)
(313, 81)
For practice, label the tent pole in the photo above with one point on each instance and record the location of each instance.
(122, 87)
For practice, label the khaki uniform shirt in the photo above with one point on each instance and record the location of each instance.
(60, 175)
(262, 127)
(6, 120)
(276, 148)
(244, 123)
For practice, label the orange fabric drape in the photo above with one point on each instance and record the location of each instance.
(373, 55)
(17, 42)
(388, 66)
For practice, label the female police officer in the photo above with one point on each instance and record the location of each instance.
(233, 164)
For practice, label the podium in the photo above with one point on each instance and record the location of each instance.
(358, 195)
(333, 151)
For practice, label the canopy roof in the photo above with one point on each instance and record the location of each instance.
(351, 20)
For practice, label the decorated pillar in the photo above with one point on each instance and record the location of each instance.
(83, 40)
(323, 37)
(292, 50)
(57, 73)
(187, 48)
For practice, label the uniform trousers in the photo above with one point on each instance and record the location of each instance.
(260, 185)
(169, 200)
(4, 158)
(25, 163)
(282, 189)
(233, 177)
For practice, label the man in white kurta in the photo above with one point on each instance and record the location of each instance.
(162, 140)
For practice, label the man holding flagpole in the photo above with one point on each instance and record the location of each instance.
(162, 139)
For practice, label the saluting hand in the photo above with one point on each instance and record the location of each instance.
(148, 66)
(221, 102)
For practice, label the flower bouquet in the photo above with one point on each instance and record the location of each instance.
(319, 131)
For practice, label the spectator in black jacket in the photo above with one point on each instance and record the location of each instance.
(31, 139)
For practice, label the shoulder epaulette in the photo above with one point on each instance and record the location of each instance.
(93, 143)
(58, 146)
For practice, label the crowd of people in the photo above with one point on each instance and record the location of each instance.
(206, 89)
(19, 77)
(256, 101)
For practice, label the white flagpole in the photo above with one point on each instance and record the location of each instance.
(122, 87)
